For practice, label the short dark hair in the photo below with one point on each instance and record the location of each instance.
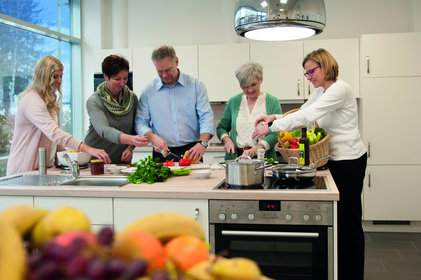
(113, 64)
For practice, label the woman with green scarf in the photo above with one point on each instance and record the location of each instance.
(112, 111)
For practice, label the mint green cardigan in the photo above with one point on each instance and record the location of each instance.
(228, 122)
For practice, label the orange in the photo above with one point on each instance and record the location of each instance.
(140, 244)
(185, 251)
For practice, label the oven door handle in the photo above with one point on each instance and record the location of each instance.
(270, 233)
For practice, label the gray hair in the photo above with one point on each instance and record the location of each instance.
(246, 73)
(162, 52)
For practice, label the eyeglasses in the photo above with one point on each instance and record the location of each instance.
(310, 72)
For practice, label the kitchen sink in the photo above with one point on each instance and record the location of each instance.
(35, 180)
(58, 180)
(100, 181)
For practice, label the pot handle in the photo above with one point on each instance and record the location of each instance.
(243, 157)
(263, 166)
(221, 164)
(317, 160)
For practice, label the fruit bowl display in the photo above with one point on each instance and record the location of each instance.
(60, 244)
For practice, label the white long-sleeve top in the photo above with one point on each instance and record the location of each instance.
(335, 110)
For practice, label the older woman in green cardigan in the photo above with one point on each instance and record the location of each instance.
(237, 123)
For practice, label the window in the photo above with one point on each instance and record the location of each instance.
(30, 30)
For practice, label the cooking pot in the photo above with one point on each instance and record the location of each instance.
(293, 172)
(244, 171)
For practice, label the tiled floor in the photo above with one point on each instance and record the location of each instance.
(394, 256)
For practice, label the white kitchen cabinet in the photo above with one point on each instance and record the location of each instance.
(103, 53)
(391, 119)
(392, 193)
(217, 65)
(283, 75)
(144, 70)
(7, 202)
(128, 210)
(347, 54)
(98, 210)
(390, 55)
(389, 104)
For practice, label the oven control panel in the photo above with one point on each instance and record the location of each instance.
(271, 212)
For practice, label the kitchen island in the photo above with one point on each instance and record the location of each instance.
(119, 206)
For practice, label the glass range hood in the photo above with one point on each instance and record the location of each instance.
(279, 20)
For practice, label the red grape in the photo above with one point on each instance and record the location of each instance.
(76, 265)
(96, 269)
(55, 251)
(105, 236)
(135, 269)
(115, 268)
(46, 271)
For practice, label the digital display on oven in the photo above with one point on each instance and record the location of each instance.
(269, 205)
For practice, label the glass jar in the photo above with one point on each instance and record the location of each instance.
(97, 166)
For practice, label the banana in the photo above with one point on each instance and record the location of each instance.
(236, 269)
(12, 252)
(166, 225)
(58, 221)
(23, 217)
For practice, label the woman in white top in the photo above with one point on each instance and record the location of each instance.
(334, 107)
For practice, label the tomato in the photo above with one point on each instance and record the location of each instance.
(169, 163)
(184, 162)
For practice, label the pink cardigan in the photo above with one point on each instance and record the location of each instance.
(34, 128)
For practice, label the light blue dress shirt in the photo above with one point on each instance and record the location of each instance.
(178, 114)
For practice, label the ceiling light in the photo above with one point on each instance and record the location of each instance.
(279, 21)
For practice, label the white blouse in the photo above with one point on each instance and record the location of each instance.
(246, 119)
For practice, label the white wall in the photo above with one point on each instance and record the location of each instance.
(149, 23)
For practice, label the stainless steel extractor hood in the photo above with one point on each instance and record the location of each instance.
(279, 20)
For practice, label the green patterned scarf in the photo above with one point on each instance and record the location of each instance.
(126, 100)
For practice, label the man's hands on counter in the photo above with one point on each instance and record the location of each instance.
(196, 152)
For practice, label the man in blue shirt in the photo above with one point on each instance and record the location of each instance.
(174, 112)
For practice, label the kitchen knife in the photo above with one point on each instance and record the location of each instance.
(165, 153)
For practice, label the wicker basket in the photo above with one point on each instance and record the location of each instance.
(317, 150)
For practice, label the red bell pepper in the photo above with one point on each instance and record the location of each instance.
(184, 162)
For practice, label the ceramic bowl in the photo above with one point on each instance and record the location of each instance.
(116, 169)
(81, 157)
(107, 167)
(202, 173)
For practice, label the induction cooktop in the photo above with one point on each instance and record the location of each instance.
(271, 183)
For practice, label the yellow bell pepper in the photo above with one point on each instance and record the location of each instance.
(284, 136)
(185, 157)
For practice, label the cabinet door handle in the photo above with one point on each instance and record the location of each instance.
(368, 149)
(368, 64)
(369, 179)
(298, 87)
(196, 214)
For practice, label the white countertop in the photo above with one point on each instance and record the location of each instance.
(186, 187)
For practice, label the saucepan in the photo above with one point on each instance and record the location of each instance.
(293, 172)
(244, 171)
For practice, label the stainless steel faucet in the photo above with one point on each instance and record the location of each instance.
(73, 166)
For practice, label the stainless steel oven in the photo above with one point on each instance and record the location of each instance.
(287, 239)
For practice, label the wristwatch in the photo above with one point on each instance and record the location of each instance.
(204, 143)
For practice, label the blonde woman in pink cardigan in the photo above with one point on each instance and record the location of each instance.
(37, 121)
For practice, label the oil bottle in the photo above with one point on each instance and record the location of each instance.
(304, 148)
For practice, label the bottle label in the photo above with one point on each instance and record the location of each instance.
(301, 154)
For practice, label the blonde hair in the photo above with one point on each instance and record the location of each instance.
(327, 63)
(43, 82)
(246, 73)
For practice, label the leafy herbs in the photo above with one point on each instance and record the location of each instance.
(149, 171)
